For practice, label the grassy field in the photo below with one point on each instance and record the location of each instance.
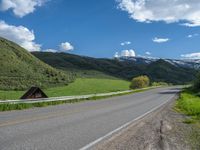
(4, 95)
(79, 87)
(189, 103)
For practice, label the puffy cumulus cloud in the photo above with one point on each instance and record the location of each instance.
(125, 53)
(20, 35)
(169, 11)
(125, 43)
(66, 46)
(21, 7)
(132, 53)
(160, 40)
(191, 56)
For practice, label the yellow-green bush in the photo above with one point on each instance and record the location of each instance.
(140, 82)
(159, 84)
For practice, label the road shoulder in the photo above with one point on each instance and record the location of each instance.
(161, 130)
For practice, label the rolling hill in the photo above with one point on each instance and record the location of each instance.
(19, 69)
(158, 70)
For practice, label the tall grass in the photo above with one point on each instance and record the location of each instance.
(189, 103)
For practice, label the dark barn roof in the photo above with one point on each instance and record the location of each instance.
(34, 93)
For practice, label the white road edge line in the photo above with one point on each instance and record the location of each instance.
(122, 127)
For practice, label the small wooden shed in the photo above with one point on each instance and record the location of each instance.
(34, 93)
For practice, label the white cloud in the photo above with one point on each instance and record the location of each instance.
(160, 40)
(125, 53)
(125, 43)
(25, 38)
(147, 53)
(191, 56)
(21, 7)
(116, 55)
(132, 53)
(20, 35)
(169, 11)
(66, 46)
(192, 35)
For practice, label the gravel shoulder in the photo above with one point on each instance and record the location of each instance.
(161, 130)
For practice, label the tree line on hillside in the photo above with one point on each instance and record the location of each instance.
(159, 71)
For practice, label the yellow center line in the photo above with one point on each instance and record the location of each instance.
(47, 116)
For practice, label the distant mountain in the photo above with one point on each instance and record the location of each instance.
(157, 69)
(19, 69)
(187, 63)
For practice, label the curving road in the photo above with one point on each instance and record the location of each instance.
(76, 126)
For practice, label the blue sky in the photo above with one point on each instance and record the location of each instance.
(102, 28)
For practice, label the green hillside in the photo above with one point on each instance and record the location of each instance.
(82, 65)
(159, 71)
(19, 69)
(162, 71)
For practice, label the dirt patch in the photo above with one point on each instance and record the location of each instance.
(161, 130)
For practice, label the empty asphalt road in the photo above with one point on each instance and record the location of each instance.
(74, 126)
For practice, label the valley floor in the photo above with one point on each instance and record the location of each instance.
(81, 86)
